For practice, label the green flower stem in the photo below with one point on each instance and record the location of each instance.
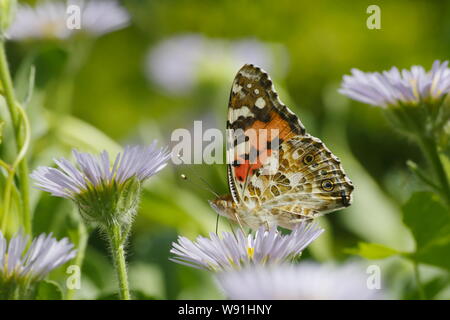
(422, 176)
(414, 120)
(418, 280)
(5, 166)
(8, 90)
(18, 116)
(430, 149)
(11, 172)
(64, 86)
(82, 244)
(427, 143)
(117, 241)
(7, 199)
(9, 291)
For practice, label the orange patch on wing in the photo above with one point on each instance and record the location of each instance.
(246, 169)
(276, 122)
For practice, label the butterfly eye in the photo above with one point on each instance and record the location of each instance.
(308, 159)
(327, 185)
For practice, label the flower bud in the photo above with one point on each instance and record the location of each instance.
(109, 204)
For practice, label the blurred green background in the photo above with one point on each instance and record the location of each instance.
(174, 64)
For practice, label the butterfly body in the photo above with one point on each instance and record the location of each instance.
(251, 215)
(279, 174)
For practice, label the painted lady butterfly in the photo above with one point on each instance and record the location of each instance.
(308, 181)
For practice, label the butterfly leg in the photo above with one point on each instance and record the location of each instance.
(239, 222)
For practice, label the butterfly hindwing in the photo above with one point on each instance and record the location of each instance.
(310, 180)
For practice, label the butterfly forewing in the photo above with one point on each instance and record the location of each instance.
(258, 122)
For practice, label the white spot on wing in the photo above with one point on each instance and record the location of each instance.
(251, 204)
(245, 74)
(294, 178)
(258, 183)
(260, 103)
(236, 88)
(243, 111)
(296, 154)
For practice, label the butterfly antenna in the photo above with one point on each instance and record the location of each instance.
(206, 186)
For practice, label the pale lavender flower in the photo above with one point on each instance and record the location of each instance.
(235, 250)
(176, 64)
(304, 281)
(105, 193)
(46, 20)
(27, 265)
(172, 64)
(68, 181)
(49, 19)
(103, 16)
(395, 87)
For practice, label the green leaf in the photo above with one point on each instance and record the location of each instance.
(48, 290)
(24, 80)
(429, 221)
(372, 251)
(437, 255)
(431, 288)
(78, 133)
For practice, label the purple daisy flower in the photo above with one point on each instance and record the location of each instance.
(395, 87)
(103, 192)
(49, 19)
(28, 265)
(305, 281)
(235, 250)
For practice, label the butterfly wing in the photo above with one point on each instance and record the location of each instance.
(310, 180)
(254, 105)
(297, 176)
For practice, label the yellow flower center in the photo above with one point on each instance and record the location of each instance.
(250, 252)
(415, 88)
(51, 28)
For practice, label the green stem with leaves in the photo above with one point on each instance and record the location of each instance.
(117, 241)
(427, 143)
(429, 148)
(22, 138)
